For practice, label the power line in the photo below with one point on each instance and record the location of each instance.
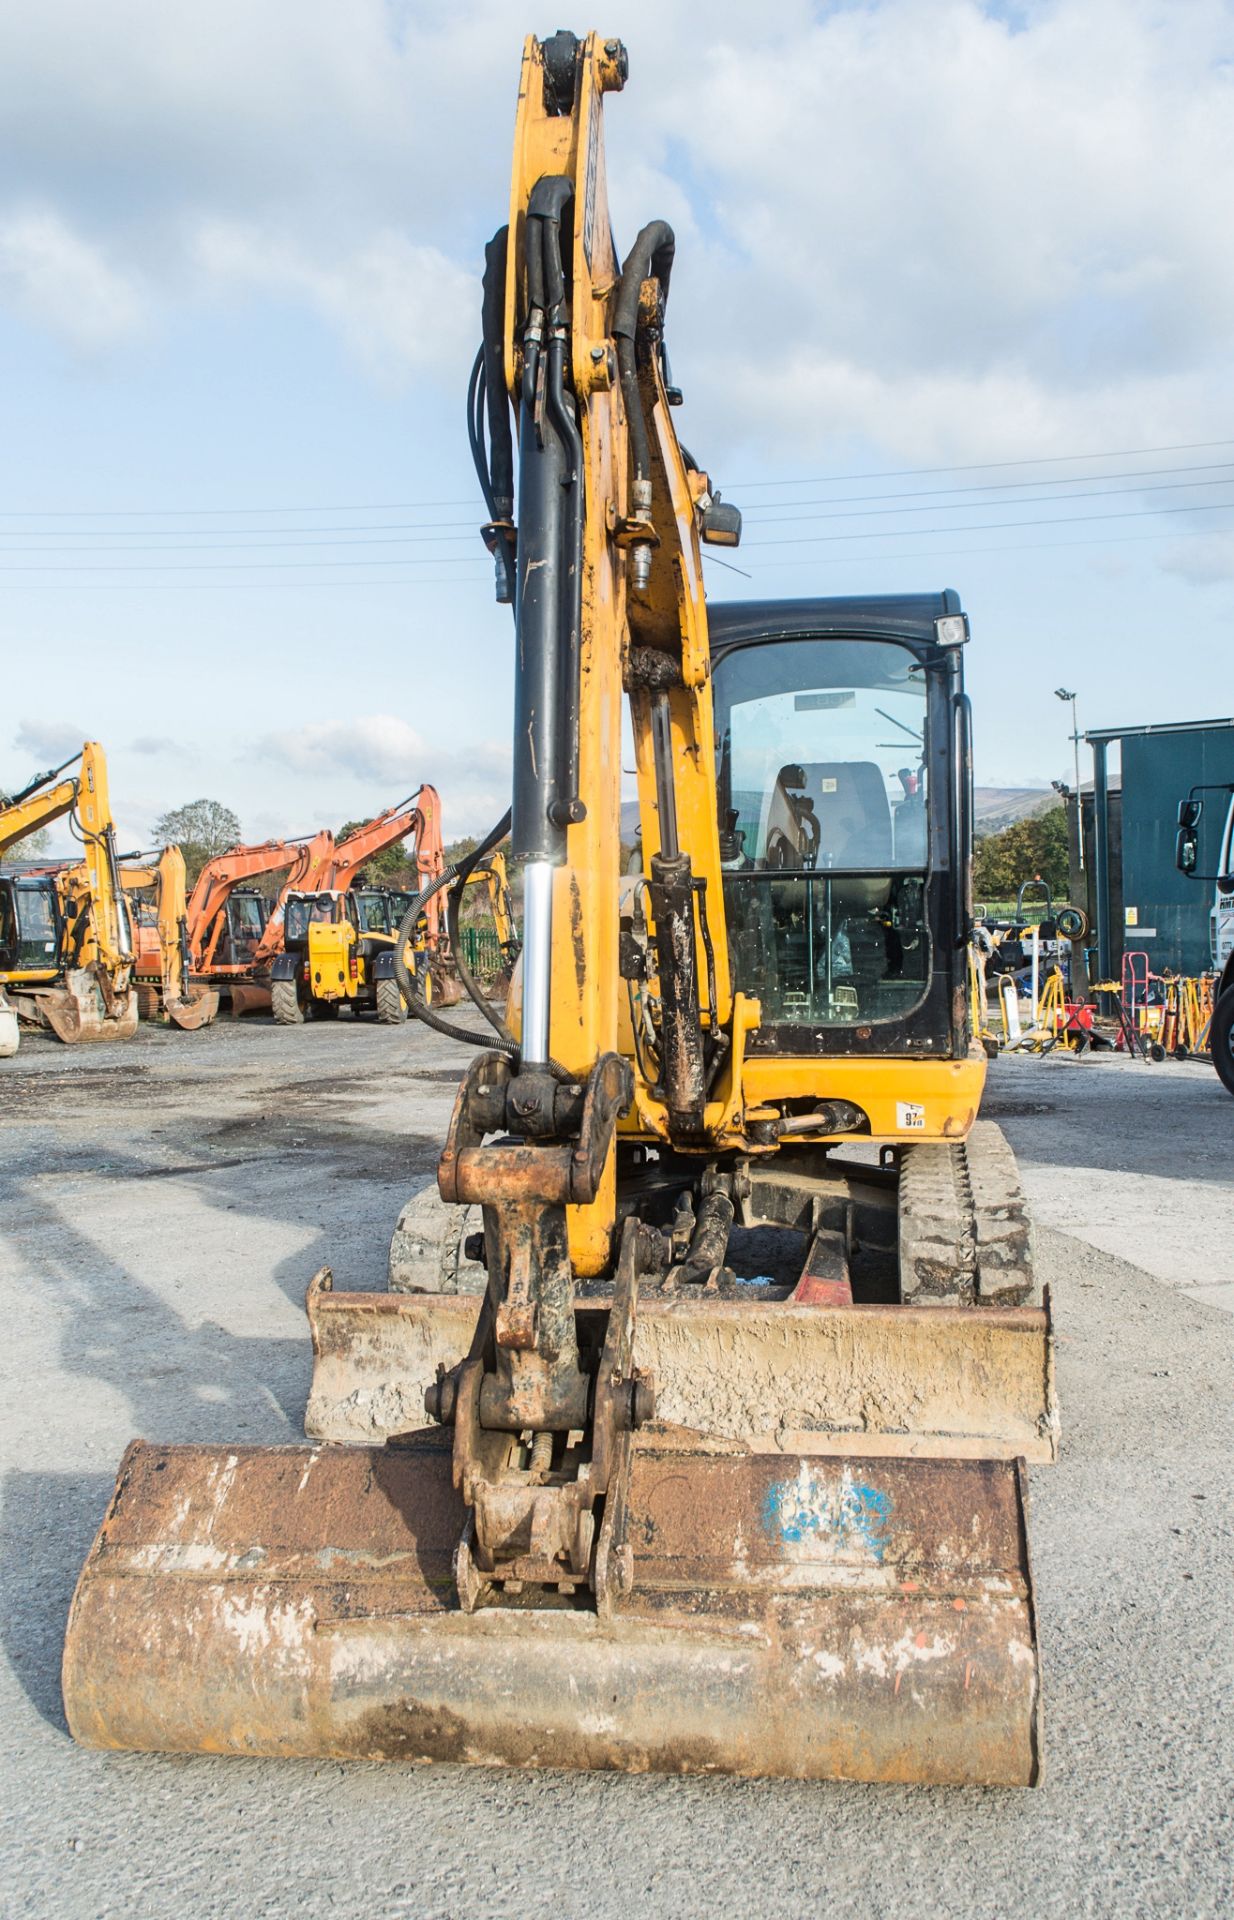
(459, 539)
(993, 526)
(430, 528)
(210, 513)
(1003, 486)
(476, 505)
(992, 506)
(455, 580)
(242, 566)
(267, 546)
(954, 553)
(987, 466)
(452, 530)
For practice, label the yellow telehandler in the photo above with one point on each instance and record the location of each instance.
(723, 1468)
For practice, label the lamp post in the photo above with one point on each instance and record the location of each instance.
(1064, 693)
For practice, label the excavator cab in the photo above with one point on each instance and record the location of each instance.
(838, 739)
(246, 915)
(31, 925)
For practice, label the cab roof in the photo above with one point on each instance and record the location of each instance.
(902, 615)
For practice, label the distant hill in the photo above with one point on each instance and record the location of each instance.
(994, 808)
(997, 807)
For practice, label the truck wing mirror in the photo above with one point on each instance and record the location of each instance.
(1186, 846)
(1189, 812)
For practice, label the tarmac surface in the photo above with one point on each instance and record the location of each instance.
(162, 1206)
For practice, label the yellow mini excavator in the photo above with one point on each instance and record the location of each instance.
(66, 938)
(723, 1468)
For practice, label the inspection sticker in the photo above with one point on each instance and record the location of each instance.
(910, 1118)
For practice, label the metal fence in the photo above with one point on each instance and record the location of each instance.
(481, 951)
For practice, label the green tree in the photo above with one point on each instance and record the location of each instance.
(390, 867)
(1027, 850)
(200, 829)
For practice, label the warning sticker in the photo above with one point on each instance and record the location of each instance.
(910, 1118)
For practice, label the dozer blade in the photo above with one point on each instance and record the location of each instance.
(766, 1615)
(940, 1381)
(198, 1010)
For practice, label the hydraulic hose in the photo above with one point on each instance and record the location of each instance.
(408, 982)
(650, 258)
(503, 1041)
(465, 868)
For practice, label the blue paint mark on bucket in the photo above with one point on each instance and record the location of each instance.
(844, 1514)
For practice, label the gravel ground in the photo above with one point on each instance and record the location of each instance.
(163, 1207)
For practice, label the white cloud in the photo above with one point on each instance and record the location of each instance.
(947, 227)
(157, 743)
(53, 276)
(401, 306)
(1206, 561)
(390, 759)
(49, 740)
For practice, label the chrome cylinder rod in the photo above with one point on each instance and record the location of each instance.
(537, 961)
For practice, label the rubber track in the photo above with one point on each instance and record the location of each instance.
(965, 1236)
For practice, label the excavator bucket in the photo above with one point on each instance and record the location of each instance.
(197, 1009)
(759, 1614)
(77, 1011)
(248, 996)
(949, 1382)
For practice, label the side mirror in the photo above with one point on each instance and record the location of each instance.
(1189, 812)
(1186, 846)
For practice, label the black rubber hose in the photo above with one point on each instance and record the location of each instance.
(454, 900)
(408, 982)
(501, 444)
(650, 258)
(549, 200)
(567, 809)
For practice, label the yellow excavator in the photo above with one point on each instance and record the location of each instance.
(723, 1467)
(66, 937)
(163, 967)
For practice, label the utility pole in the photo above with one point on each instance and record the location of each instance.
(1063, 693)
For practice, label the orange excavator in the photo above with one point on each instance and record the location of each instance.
(234, 933)
(420, 815)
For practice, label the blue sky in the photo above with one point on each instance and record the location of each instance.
(239, 256)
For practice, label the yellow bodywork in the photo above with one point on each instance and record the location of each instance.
(166, 878)
(330, 948)
(89, 992)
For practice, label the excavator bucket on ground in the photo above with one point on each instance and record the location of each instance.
(757, 1614)
(813, 1562)
(196, 1009)
(78, 1009)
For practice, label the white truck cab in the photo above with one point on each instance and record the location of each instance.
(1221, 919)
